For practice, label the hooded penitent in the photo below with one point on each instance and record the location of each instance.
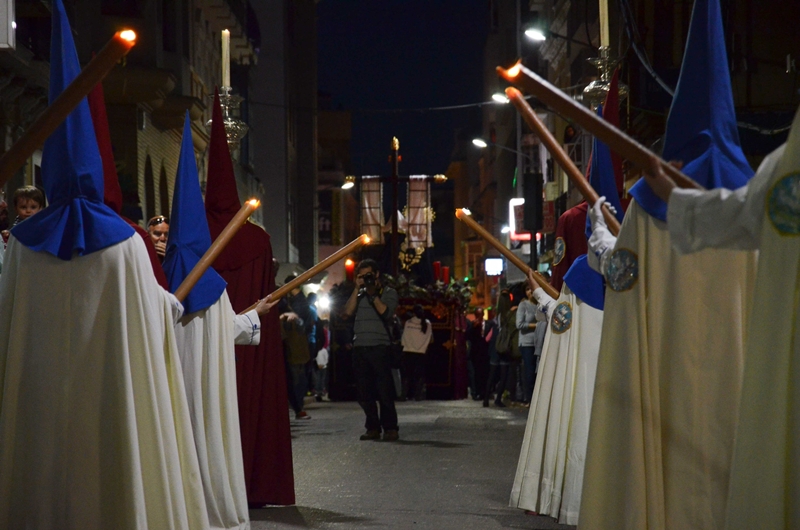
(550, 468)
(94, 423)
(246, 264)
(205, 337)
(670, 366)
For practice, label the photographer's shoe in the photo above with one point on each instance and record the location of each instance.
(390, 436)
(371, 435)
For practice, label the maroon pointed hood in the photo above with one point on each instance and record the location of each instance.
(112, 193)
(222, 198)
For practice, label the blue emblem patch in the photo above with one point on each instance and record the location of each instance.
(562, 318)
(559, 250)
(623, 270)
(783, 205)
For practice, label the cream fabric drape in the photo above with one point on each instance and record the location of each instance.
(765, 474)
(205, 342)
(667, 386)
(94, 423)
(550, 468)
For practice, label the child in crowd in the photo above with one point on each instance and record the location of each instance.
(28, 200)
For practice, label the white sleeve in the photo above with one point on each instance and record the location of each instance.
(177, 307)
(545, 306)
(247, 329)
(601, 243)
(721, 218)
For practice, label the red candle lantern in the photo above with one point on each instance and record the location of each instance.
(349, 269)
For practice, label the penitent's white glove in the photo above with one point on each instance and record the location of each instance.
(596, 212)
(601, 242)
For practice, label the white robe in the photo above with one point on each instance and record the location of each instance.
(550, 468)
(205, 341)
(94, 424)
(667, 386)
(765, 474)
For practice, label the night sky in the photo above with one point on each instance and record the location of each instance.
(406, 54)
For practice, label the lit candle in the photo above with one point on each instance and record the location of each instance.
(285, 289)
(226, 57)
(510, 256)
(566, 106)
(604, 37)
(49, 120)
(563, 159)
(216, 248)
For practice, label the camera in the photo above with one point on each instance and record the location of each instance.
(369, 279)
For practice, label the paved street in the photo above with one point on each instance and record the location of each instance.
(452, 469)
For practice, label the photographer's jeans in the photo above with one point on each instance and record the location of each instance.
(373, 372)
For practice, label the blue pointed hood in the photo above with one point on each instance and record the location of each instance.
(602, 177)
(189, 237)
(701, 128)
(586, 283)
(76, 219)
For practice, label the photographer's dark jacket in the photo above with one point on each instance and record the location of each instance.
(369, 328)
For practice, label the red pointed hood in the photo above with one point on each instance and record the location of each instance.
(112, 193)
(222, 198)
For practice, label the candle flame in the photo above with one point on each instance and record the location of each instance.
(461, 212)
(254, 203)
(514, 70)
(128, 35)
(365, 239)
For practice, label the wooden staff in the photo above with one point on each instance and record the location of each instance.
(489, 238)
(13, 159)
(216, 248)
(282, 291)
(615, 139)
(574, 174)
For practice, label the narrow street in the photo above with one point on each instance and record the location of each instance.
(452, 469)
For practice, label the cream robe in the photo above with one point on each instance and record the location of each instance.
(550, 468)
(765, 475)
(667, 386)
(94, 424)
(205, 341)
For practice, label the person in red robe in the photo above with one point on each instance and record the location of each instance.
(247, 265)
(570, 242)
(112, 193)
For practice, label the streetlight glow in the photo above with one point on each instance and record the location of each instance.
(500, 98)
(535, 34)
(479, 142)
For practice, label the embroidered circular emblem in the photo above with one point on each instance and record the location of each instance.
(559, 250)
(623, 270)
(783, 205)
(562, 318)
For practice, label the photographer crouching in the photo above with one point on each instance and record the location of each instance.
(373, 307)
